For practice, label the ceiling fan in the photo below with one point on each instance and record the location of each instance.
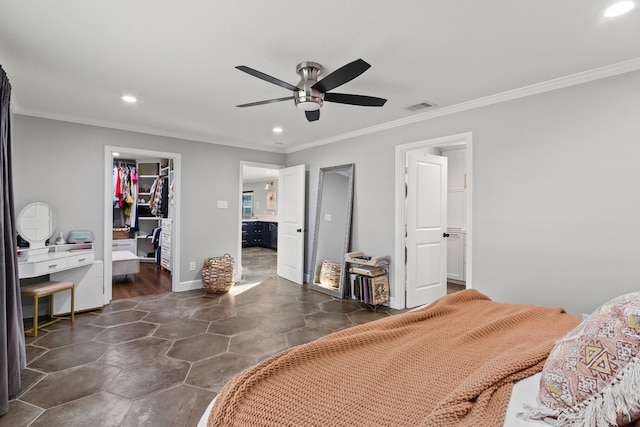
(310, 93)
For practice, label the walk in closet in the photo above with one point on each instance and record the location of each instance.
(142, 216)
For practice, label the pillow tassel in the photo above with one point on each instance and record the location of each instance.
(619, 399)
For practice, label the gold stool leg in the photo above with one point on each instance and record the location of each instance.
(72, 302)
(35, 315)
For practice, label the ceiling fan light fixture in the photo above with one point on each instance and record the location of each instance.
(308, 105)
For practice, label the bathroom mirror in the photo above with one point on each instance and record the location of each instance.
(36, 223)
(332, 229)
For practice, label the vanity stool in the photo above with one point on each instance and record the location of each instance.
(44, 289)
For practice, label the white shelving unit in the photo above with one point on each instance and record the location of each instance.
(148, 172)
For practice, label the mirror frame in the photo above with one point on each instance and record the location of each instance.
(313, 283)
(35, 244)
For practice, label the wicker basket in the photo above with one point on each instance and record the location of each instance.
(121, 233)
(218, 274)
(330, 272)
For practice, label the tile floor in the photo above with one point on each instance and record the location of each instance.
(160, 359)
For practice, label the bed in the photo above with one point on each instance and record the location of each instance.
(452, 363)
(124, 262)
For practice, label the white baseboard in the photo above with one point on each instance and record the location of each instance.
(188, 286)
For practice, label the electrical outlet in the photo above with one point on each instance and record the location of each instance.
(192, 266)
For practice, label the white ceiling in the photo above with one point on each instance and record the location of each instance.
(73, 59)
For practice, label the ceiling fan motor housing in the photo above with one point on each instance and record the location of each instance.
(306, 97)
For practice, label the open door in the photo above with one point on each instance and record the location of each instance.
(426, 212)
(291, 216)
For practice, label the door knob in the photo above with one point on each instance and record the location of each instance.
(445, 234)
(299, 230)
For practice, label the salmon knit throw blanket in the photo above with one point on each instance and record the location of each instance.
(451, 363)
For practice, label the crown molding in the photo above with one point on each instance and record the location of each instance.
(141, 129)
(534, 89)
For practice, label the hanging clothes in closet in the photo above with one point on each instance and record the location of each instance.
(159, 202)
(125, 192)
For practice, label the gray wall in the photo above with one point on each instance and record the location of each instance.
(556, 206)
(62, 164)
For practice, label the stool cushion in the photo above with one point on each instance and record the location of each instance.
(45, 288)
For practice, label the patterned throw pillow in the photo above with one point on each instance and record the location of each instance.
(592, 376)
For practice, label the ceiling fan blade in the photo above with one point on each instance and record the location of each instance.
(312, 116)
(268, 101)
(266, 77)
(346, 98)
(342, 75)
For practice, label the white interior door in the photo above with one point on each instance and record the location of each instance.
(291, 223)
(426, 211)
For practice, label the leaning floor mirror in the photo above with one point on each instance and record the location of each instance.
(332, 229)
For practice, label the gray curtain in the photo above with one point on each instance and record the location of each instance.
(12, 351)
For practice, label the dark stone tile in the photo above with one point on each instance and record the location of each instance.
(29, 339)
(132, 331)
(34, 352)
(20, 415)
(277, 299)
(239, 300)
(290, 288)
(119, 305)
(305, 335)
(69, 385)
(216, 312)
(340, 306)
(199, 302)
(199, 347)
(300, 308)
(257, 343)
(282, 322)
(64, 337)
(234, 325)
(169, 315)
(70, 356)
(328, 321)
(314, 297)
(366, 316)
(181, 329)
(100, 409)
(78, 320)
(28, 378)
(215, 372)
(136, 351)
(149, 298)
(149, 377)
(157, 304)
(193, 293)
(179, 406)
(119, 318)
(258, 310)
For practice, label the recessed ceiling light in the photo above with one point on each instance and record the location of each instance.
(619, 8)
(114, 154)
(277, 129)
(130, 99)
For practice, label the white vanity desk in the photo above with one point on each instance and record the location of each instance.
(66, 263)
(73, 263)
(58, 258)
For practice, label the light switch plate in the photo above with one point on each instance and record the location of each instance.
(222, 204)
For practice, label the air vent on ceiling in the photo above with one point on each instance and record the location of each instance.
(421, 106)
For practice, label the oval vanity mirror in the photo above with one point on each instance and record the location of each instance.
(36, 223)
